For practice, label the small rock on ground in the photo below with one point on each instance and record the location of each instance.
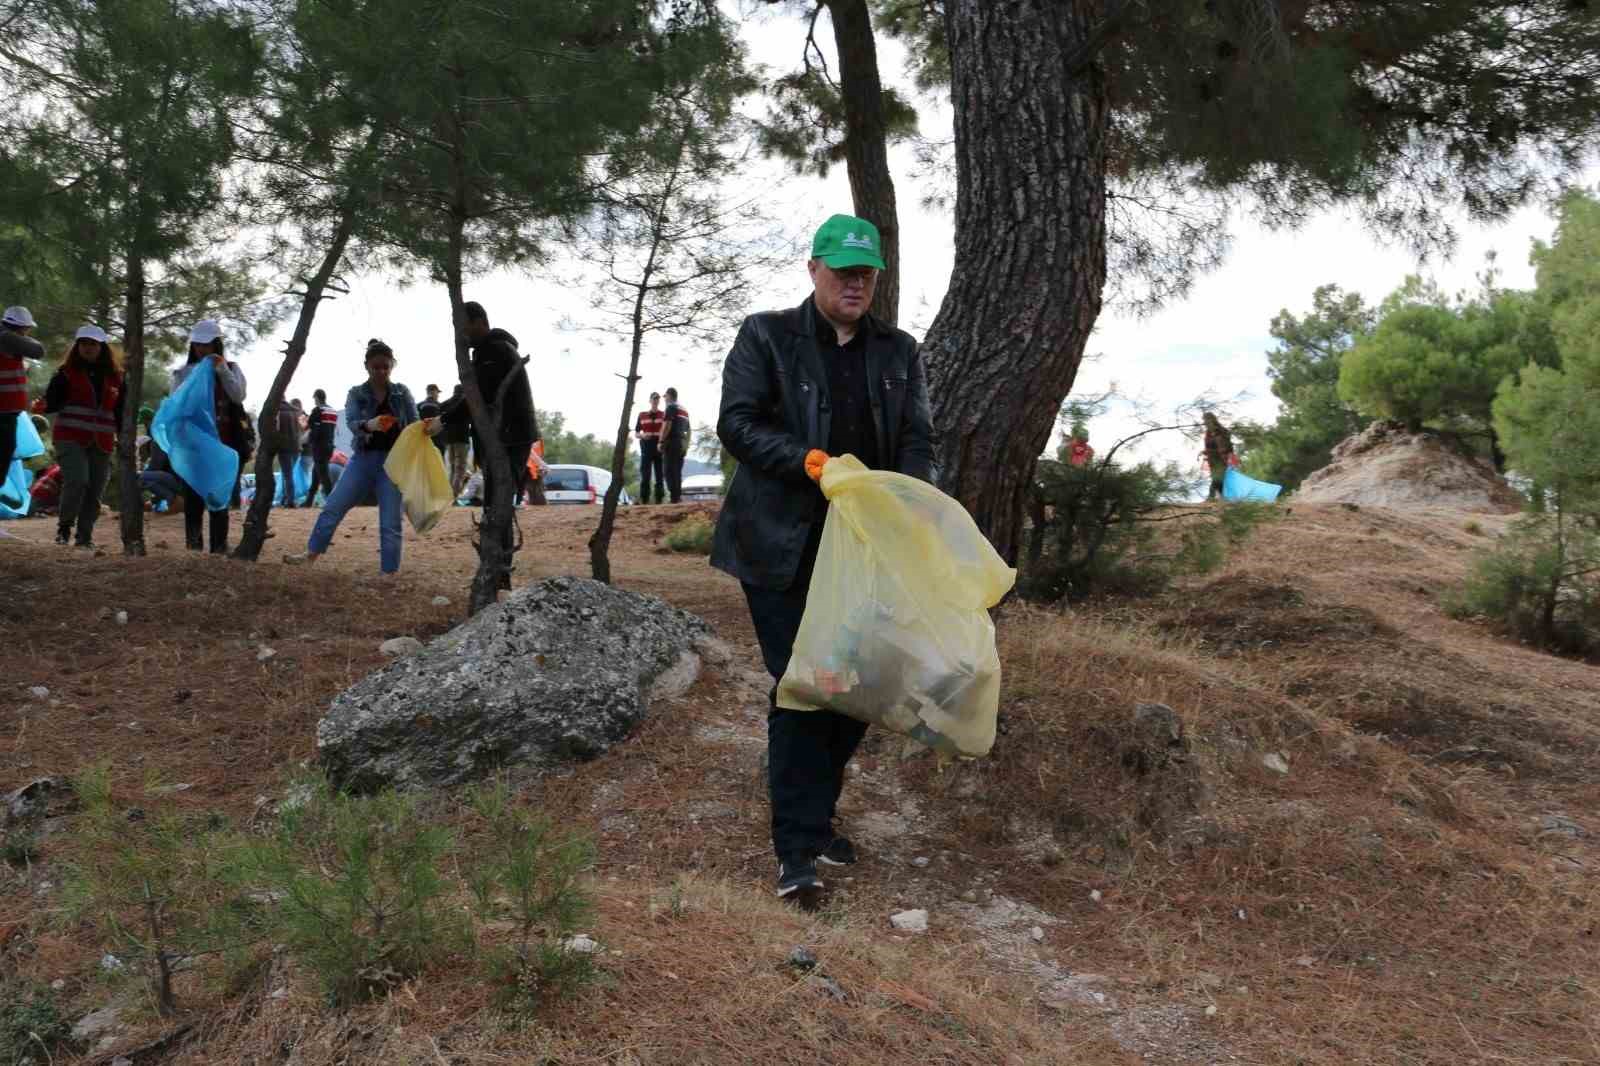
(264, 653)
(440, 601)
(802, 958)
(913, 921)
(582, 944)
(96, 1024)
(395, 647)
(1275, 762)
(39, 692)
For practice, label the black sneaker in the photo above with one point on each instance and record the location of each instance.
(63, 537)
(839, 852)
(798, 878)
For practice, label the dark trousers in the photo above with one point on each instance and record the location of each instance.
(650, 463)
(194, 509)
(286, 464)
(518, 455)
(807, 751)
(674, 462)
(83, 480)
(8, 441)
(320, 478)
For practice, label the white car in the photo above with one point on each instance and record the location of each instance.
(572, 483)
(702, 487)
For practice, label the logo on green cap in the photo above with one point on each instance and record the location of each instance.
(846, 241)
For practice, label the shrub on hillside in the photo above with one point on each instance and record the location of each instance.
(1107, 528)
(31, 1025)
(692, 536)
(529, 874)
(152, 879)
(359, 889)
(1541, 583)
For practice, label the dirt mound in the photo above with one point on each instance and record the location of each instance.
(1388, 466)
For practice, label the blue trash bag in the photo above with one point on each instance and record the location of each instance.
(186, 429)
(14, 495)
(302, 483)
(1241, 489)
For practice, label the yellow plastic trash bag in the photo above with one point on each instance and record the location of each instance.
(417, 470)
(896, 630)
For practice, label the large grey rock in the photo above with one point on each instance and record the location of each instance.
(559, 671)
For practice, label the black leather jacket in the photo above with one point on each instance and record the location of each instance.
(775, 409)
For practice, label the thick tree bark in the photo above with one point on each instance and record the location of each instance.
(254, 534)
(866, 142)
(496, 542)
(1030, 263)
(130, 495)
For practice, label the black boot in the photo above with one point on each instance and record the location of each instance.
(63, 533)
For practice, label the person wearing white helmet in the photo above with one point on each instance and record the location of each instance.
(15, 346)
(86, 395)
(205, 345)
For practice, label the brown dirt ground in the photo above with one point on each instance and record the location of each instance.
(1402, 895)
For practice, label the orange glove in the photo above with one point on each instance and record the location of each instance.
(815, 459)
(381, 423)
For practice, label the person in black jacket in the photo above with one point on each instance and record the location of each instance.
(430, 408)
(825, 378)
(494, 355)
(323, 425)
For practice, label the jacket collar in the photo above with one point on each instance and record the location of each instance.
(803, 320)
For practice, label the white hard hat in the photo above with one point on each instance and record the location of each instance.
(205, 331)
(93, 333)
(18, 316)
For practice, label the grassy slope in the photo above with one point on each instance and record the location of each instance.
(1396, 897)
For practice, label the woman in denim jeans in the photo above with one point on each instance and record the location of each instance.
(376, 411)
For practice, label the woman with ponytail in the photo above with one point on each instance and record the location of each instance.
(376, 411)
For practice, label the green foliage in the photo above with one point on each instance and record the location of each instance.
(1548, 416)
(561, 445)
(531, 874)
(19, 844)
(1541, 583)
(31, 1024)
(692, 536)
(1304, 368)
(361, 895)
(152, 879)
(806, 123)
(1439, 362)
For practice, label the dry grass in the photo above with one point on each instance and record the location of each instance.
(1398, 897)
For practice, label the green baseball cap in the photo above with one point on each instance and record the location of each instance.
(846, 241)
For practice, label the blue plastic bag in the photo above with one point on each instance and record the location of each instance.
(1237, 487)
(186, 429)
(14, 495)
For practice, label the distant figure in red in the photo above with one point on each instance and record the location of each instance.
(1078, 451)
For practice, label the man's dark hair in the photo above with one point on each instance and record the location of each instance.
(319, 395)
(473, 311)
(672, 394)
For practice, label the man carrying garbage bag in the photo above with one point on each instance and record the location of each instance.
(819, 380)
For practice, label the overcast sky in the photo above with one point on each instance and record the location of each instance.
(1214, 340)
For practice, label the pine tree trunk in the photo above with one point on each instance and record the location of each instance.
(600, 542)
(866, 142)
(1030, 262)
(254, 534)
(130, 495)
(495, 536)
